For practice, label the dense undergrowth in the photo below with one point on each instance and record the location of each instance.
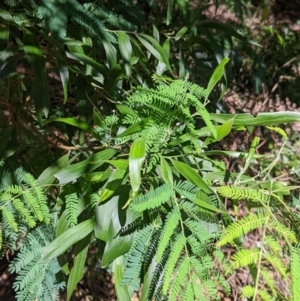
(116, 141)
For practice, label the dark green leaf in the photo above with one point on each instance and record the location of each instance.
(74, 171)
(166, 171)
(47, 176)
(136, 160)
(118, 270)
(87, 60)
(125, 46)
(40, 88)
(216, 76)
(64, 75)
(77, 271)
(111, 54)
(153, 47)
(261, 119)
(66, 240)
(98, 119)
(181, 33)
(191, 175)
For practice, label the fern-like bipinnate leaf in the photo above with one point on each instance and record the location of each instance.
(179, 244)
(241, 227)
(276, 262)
(295, 273)
(170, 225)
(265, 296)
(243, 194)
(245, 257)
(182, 272)
(152, 199)
(284, 231)
(36, 280)
(135, 259)
(72, 208)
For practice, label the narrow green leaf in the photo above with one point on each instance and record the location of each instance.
(9, 64)
(249, 157)
(4, 36)
(166, 171)
(120, 163)
(216, 76)
(136, 160)
(155, 33)
(111, 54)
(222, 131)
(267, 118)
(40, 89)
(166, 46)
(116, 73)
(125, 110)
(181, 33)
(125, 46)
(112, 184)
(136, 127)
(74, 171)
(77, 123)
(279, 131)
(66, 240)
(98, 119)
(210, 207)
(191, 175)
(77, 271)
(64, 75)
(87, 60)
(97, 176)
(47, 176)
(153, 47)
(118, 270)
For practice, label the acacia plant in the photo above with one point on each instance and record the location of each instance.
(141, 182)
(159, 207)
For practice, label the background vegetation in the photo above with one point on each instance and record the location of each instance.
(150, 140)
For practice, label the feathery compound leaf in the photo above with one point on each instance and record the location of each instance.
(131, 276)
(182, 272)
(9, 218)
(152, 199)
(276, 263)
(286, 232)
(245, 257)
(241, 227)
(170, 225)
(247, 291)
(24, 212)
(273, 244)
(295, 273)
(72, 208)
(173, 258)
(242, 194)
(33, 204)
(265, 296)
(268, 278)
(189, 293)
(197, 230)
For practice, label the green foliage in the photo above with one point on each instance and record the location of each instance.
(36, 280)
(141, 177)
(23, 203)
